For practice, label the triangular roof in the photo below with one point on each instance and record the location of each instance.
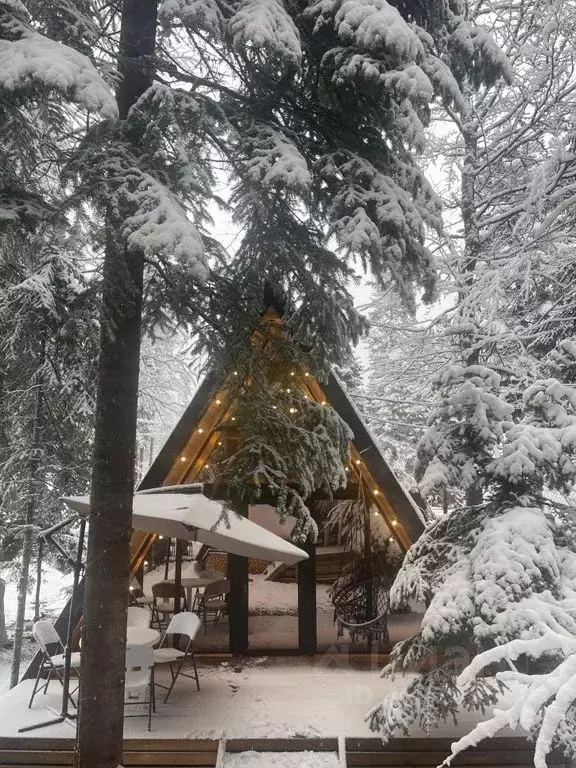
(196, 435)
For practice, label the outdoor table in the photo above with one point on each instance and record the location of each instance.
(139, 636)
(196, 582)
(142, 636)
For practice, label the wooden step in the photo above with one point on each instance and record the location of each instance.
(282, 745)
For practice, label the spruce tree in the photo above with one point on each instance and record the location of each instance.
(316, 114)
(40, 81)
(46, 307)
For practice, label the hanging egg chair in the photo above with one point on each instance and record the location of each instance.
(361, 593)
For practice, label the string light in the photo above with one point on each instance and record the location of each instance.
(394, 523)
(160, 537)
(200, 430)
(288, 391)
(220, 442)
(391, 539)
(145, 562)
(182, 458)
(376, 493)
(323, 402)
(357, 462)
(347, 469)
(218, 402)
(233, 418)
(235, 373)
(306, 374)
(293, 410)
(206, 466)
(292, 373)
(274, 407)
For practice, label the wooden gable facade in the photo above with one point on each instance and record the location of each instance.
(207, 426)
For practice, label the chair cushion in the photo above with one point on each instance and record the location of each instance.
(59, 660)
(163, 655)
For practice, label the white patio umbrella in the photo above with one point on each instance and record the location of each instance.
(195, 517)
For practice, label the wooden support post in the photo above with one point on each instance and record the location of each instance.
(139, 575)
(307, 635)
(238, 602)
(178, 574)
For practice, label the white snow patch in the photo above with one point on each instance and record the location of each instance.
(34, 58)
(160, 225)
(275, 160)
(265, 24)
(375, 25)
(282, 760)
(204, 13)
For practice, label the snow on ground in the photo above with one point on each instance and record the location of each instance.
(281, 760)
(28, 652)
(54, 592)
(266, 598)
(272, 598)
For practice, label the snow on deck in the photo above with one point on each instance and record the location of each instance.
(261, 698)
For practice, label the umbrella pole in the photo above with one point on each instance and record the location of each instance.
(178, 574)
(167, 563)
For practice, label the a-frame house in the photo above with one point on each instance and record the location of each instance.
(208, 424)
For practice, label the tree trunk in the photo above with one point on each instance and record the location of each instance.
(472, 246)
(39, 556)
(3, 633)
(27, 543)
(101, 716)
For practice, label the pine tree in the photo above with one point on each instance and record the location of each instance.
(45, 306)
(404, 354)
(496, 574)
(316, 114)
(38, 77)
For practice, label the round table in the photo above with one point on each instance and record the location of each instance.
(142, 636)
(196, 582)
(138, 636)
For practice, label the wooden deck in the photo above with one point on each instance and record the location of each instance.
(204, 753)
(137, 752)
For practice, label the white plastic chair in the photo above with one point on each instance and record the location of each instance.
(137, 617)
(53, 663)
(139, 677)
(187, 624)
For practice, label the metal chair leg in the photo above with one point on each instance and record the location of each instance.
(196, 672)
(36, 684)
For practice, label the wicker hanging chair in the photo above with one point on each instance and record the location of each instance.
(361, 594)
